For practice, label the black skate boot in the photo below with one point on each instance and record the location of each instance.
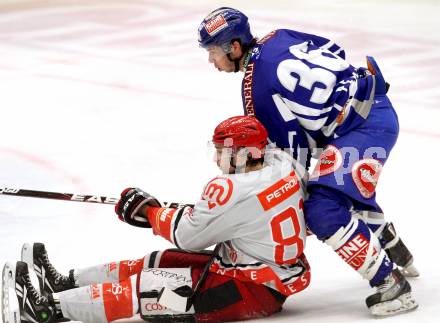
(398, 252)
(32, 306)
(49, 279)
(393, 296)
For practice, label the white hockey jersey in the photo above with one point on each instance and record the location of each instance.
(257, 217)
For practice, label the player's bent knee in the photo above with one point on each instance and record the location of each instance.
(326, 211)
(177, 258)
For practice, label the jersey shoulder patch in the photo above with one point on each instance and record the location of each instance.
(218, 192)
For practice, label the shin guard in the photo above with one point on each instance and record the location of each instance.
(111, 272)
(100, 302)
(360, 248)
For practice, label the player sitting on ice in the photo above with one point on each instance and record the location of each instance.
(253, 212)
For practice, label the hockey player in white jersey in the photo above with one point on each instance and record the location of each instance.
(253, 212)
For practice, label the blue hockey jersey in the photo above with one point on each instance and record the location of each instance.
(303, 91)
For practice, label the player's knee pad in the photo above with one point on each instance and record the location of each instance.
(152, 281)
(326, 211)
(361, 249)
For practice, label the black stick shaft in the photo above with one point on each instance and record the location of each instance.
(71, 197)
(205, 271)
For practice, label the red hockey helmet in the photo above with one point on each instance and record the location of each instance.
(241, 131)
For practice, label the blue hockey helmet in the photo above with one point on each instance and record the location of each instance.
(222, 26)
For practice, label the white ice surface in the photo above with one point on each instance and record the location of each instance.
(96, 96)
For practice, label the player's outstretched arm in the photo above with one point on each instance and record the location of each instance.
(187, 226)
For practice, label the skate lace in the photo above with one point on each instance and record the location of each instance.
(386, 285)
(53, 272)
(38, 298)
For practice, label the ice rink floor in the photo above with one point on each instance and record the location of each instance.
(96, 96)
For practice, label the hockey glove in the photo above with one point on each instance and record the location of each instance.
(381, 86)
(132, 199)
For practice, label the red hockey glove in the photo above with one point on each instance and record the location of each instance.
(132, 199)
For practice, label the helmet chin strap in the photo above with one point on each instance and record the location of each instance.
(235, 61)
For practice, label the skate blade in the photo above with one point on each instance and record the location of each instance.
(10, 314)
(402, 304)
(410, 271)
(27, 255)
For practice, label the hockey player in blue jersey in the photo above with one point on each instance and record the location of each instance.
(315, 104)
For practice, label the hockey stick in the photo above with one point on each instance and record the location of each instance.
(73, 197)
(206, 270)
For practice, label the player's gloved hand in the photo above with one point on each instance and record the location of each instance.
(381, 85)
(132, 200)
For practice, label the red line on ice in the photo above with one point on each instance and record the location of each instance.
(37, 160)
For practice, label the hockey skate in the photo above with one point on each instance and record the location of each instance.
(49, 279)
(393, 296)
(32, 306)
(398, 252)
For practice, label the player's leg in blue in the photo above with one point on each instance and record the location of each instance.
(389, 239)
(358, 158)
(328, 216)
(344, 181)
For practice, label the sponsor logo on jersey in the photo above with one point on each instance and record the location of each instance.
(165, 214)
(163, 222)
(247, 90)
(279, 192)
(329, 161)
(354, 251)
(150, 307)
(94, 291)
(112, 266)
(256, 53)
(216, 24)
(218, 192)
(267, 37)
(365, 175)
